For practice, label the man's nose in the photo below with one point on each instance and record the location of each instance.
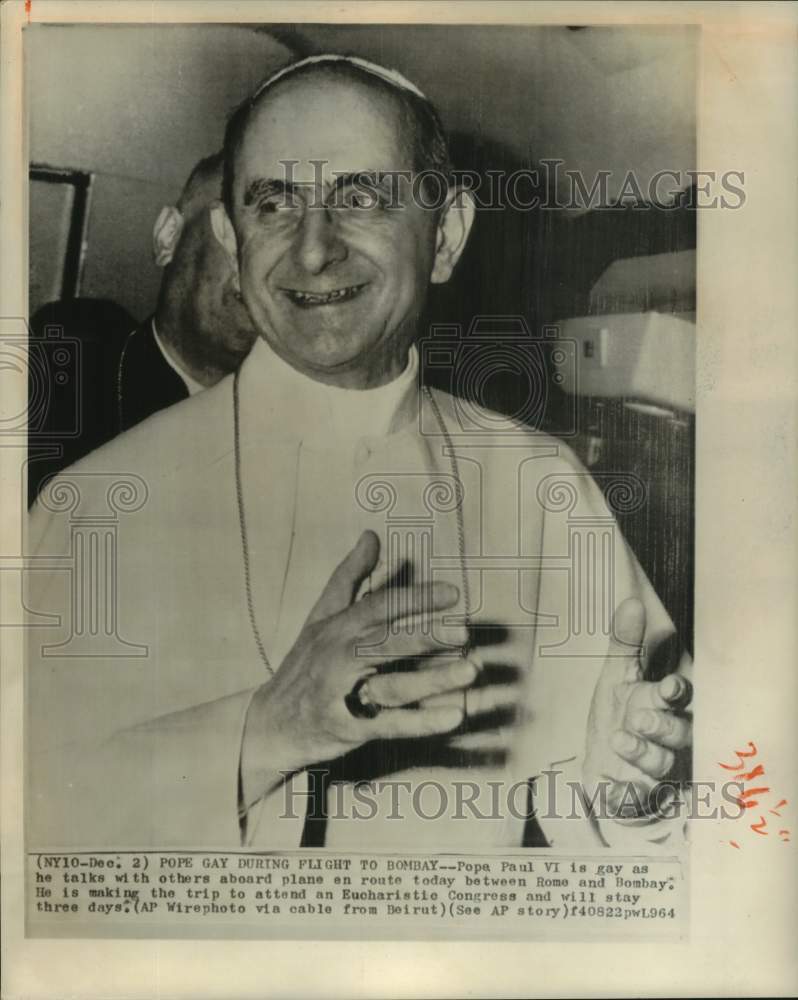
(318, 242)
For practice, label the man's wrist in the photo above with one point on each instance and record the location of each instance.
(265, 763)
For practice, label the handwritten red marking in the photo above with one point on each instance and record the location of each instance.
(740, 754)
(27, 8)
(746, 797)
(757, 772)
(753, 791)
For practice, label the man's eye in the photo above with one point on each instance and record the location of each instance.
(358, 198)
(278, 203)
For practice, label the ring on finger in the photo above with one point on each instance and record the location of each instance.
(360, 703)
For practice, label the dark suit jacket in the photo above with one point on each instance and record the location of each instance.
(93, 374)
(146, 382)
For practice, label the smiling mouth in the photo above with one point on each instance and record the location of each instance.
(308, 299)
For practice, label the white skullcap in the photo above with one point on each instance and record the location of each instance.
(388, 75)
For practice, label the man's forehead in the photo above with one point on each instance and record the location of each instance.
(325, 128)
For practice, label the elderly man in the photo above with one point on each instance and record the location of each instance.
(200, 325)
(323, 577)
(200, 332)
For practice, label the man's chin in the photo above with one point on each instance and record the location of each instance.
(326, 363)
(325, 341)
(323, 362)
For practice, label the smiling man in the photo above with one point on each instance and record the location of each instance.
(325, 579)
(334, 253)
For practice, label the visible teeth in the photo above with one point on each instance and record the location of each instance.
(308, 298)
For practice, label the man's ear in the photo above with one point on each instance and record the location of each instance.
(454, 225)
(166, 234)
(225, 234)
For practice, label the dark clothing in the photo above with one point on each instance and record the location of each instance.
(92, 374)
(145, 381)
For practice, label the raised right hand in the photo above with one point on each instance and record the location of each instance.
(299, 716)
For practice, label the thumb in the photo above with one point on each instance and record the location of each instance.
(347, 577)
(626, 640)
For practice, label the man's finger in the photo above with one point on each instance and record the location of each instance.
(408, 687)
(663, 727)
(491, 698)
(652, 759)
(347, 577)
(427, 636)
(628, 628)
(393, 603)
(401, 723)
(676, 691)
(673, 693)
(626, 641)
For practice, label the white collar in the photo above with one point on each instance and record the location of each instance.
(288, 404)
(191, 384)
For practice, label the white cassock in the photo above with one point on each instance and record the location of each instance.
(143, 661)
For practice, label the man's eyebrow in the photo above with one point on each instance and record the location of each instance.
(263, 187)
(359, 176)
(266, 187)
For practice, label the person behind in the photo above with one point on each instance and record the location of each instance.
(327, 580)
(200, 327)
(200, 331)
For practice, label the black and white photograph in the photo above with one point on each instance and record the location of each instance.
(360, 582)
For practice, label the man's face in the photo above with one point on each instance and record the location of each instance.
(334, 287)
(216, 319)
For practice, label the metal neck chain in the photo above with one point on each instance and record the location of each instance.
(242, 524)
(242, 520)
